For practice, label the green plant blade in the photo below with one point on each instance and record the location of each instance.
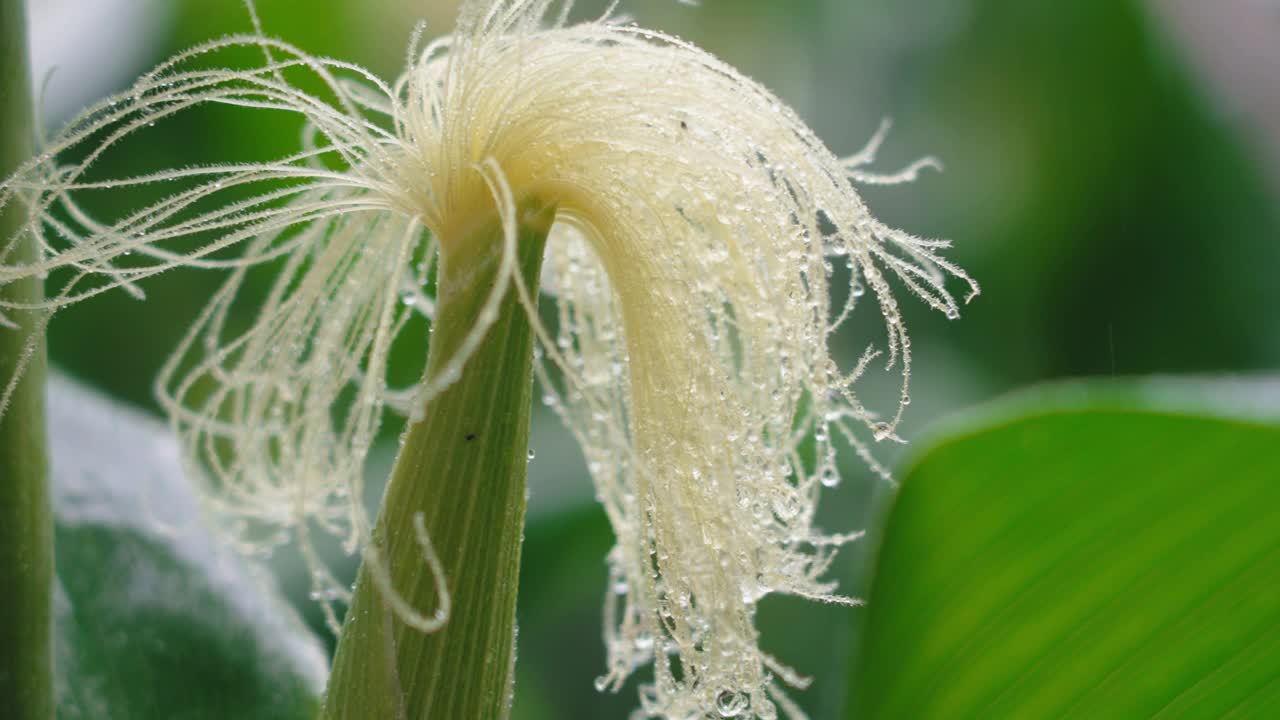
(1085, 554)
(461, 471)
(26, 528)
(154, 618)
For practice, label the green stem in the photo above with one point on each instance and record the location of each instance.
(463, 469)
(26, 525)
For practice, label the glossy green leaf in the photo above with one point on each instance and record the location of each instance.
(1085, 553)
(154, 618)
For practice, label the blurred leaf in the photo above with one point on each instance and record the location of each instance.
(561, 651)
(1087, 552)
(1115, 211)
(154, 618)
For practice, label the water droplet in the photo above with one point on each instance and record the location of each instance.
(786, 506)
(883, 430)
(732, 704)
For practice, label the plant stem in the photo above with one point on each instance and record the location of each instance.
(26, 525)
(463, 468)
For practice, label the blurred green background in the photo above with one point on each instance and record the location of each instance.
(1112, 196)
